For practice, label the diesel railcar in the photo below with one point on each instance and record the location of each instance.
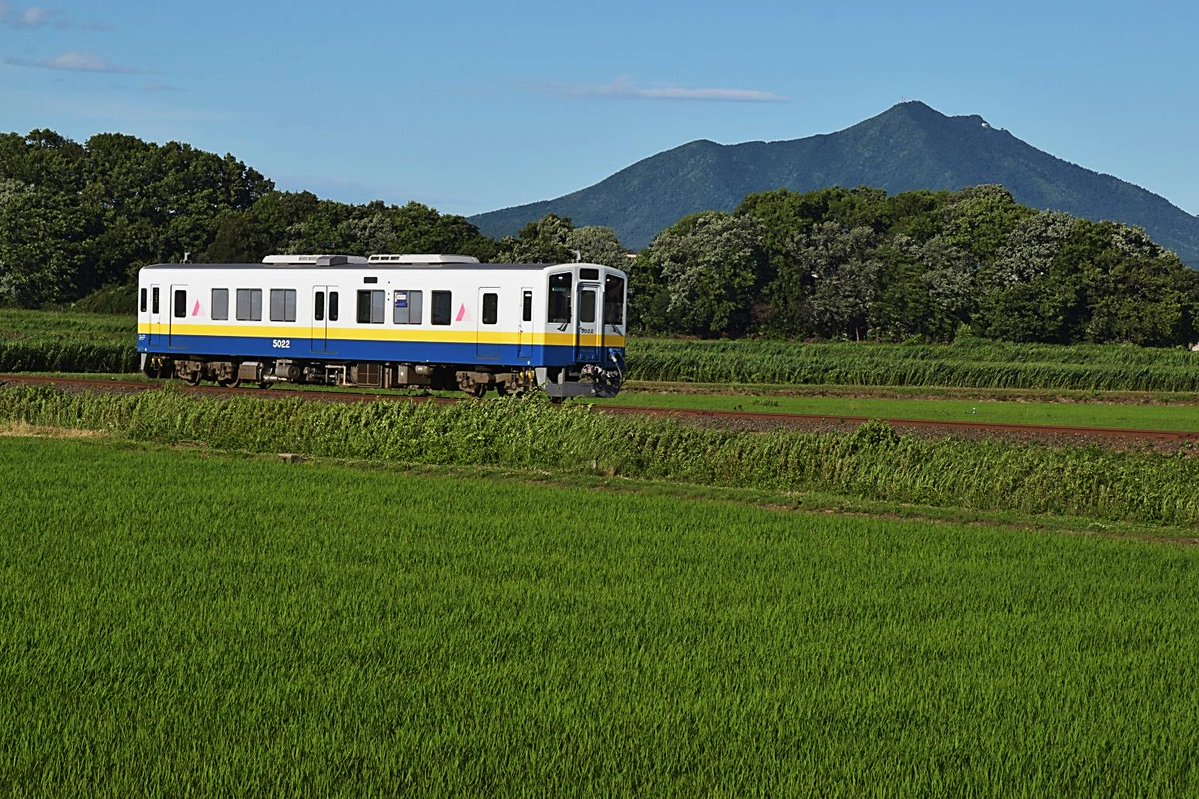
(387, 321)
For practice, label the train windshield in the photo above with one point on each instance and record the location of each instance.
(613, 300)
(559, 303)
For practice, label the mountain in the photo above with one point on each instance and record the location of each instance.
(910, 146)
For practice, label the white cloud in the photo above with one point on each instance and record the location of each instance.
(623, 88)
(35, 17)
(74, 62)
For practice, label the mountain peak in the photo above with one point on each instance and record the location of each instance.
(910, 146)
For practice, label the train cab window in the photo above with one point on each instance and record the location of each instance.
(491, 308)
(406, 307)
(180, 303)
(558, 309)
(249, 305)
(370, 307)
(318, 307)
(220, 303)
(443, 303)
(155, 294)
(526, 311)
(332, 306)
(587, 306)
(613, 300)
(283, 305)
(143, 300)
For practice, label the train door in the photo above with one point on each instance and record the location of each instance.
(176, 315)
(524, 328)
(326, 308)
(154, 339)
(589, 331)
(487, 345)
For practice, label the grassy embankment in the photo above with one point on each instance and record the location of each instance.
(180, 622)
(873, 463)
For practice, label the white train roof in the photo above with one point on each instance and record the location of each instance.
(385, 262)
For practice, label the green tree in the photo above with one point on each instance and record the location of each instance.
(43, 246)
(540, 242)
(1033, 289)
(700, 276)
(1137, 292)
(597, 245)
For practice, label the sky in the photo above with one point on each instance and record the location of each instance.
(472, 106)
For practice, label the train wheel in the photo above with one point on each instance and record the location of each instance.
(478, 391)
(264, 384)
(191, 378)
(231, 383)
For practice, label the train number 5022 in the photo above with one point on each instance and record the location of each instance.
(281, 343)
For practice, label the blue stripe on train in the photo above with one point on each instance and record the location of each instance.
(467, 354)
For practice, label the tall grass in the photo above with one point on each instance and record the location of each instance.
(972, 363)
(183, 624)
(57, 341)
(872, 463)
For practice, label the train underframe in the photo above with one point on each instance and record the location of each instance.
(558, 382)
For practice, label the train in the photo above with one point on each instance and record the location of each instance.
(385, 321)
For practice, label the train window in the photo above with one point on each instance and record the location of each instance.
(220, 303)
(318, 306)
(526, 312)
(588, 274)
(443, 303)
(283, 305)
(332, 306)
(180, 303)
(155, 294)
(559, 303)
(613, 300)
(491, 308)
(406, 307)
(249, 305)
(587, 306)
(143, 300)
(370, 307)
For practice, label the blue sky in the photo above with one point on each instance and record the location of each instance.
(472, 106)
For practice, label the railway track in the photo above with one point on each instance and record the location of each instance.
(736, 419)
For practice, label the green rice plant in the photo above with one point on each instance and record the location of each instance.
(58, 341)
(971, 363)
(183, 623)
(980, 475)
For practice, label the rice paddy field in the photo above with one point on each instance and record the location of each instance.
(179, 621)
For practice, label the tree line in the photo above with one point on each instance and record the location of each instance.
(832, 264)
(861, 265)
